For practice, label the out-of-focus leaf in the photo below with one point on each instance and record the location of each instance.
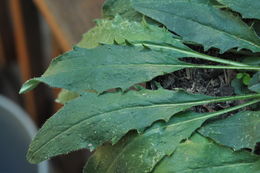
(124, 8)
(252, 61)
(200, 155)
(247, 8)
(66, 96)
(239, 87)
(201, 22)
(238, 131)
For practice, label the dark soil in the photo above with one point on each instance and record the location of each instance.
(212, 82)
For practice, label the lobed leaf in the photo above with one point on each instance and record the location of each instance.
(118, 30)
(90, 120)
(106, 67)
(200, 155)
(244, 127)
(247, 8)
(218, 29)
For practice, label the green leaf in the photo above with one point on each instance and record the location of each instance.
(244, 127)
(118, 66)
(124, 8)
(90, 120)
(120, 29)
(239, 87)
(106, 67)
(200, 155)
(199, 21)
(66, 96)
(254, 84)
(239, 75)
(246, 79)
(247, 8)
(141, 153)
(252, 61)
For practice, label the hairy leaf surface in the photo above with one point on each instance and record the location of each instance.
(244, 127)
(200, 155)
(218, 29)
(142, 152)
(247, 8)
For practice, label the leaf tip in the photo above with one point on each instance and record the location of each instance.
(28, 86)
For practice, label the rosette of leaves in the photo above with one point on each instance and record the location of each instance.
(134, 129)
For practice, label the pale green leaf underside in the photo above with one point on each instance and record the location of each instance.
(120, 29)
(66, 96)
(200, 155)
(90, 120)
(199, 21)
(247, 8)
(106, 67)
(244, 127)
(141, 153)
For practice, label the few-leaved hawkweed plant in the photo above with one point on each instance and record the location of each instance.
(119, 104)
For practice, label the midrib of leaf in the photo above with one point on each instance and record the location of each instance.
(228, 164)
(164, 65)
(138, 107)
(216, 29)
(152, 131)
(192, 54)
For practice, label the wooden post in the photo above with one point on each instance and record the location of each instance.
(22, 54)
(56, 29)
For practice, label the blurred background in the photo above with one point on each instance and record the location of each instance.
(32, 32)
